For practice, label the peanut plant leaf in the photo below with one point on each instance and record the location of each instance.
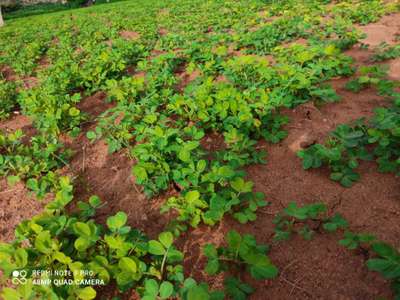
(156, 248)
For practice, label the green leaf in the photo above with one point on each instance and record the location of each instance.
(385, 250)
(62, 258)
(174, 255)
(234, 239)
(82, 229)
(12, 180)
(32, 184)
(264, 272)
(150, 118)
(305, 212)
(241, 217)
(336, 176)
(81, 244)
(151, 288)
(86, 293)
(21, 257)
(337, 221)
(166, 290)
(198, 293)
(43, 242)
(239, 185)
(184, 155)
(128, 265)
(26, 290)
(346, 181)
(10, 294)
(192, 196)
(212, 266)
(388, 268)
(156, 248)
(210, 251)
(281, 235)
(166, 238)
(73, 112)
(91, 135)
(201, 165)
(226, 172)
(308, 161)
(140, 173)
(306, 232)
(118, 221)
(236, 289)
(94, 201)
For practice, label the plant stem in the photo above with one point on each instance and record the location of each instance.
(163, 262)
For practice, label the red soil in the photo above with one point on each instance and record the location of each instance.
(162, 31)
(186, 78)
(394, 69)
(16, 205)
(383, 31)
(129, 35)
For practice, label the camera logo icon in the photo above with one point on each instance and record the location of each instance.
(19, 277)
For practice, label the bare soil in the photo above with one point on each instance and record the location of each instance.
(394, 69)
(17, 121)
(384, 31)
(8, 73)
(162, 31)
(130, 35)
(186, 78)
(16, 205)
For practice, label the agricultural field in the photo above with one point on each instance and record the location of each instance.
(201, 149)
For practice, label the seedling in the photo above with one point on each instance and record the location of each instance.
(241, 253)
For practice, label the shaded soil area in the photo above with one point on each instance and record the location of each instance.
(386, 31)
(394, 69)
(109, 175)
(16, 205)
(18, 121)
(324, 269)
(130, 35)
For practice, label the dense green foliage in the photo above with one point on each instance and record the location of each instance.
(7, 98)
